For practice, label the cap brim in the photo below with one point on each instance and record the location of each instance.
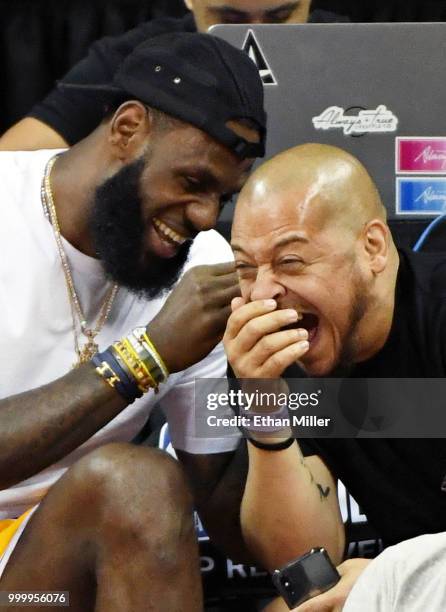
(105, 89)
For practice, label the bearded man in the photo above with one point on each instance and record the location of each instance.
(93, 238)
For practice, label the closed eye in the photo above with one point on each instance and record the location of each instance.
(279, 16)
(245, 270)
(291, 264)
(193, 183)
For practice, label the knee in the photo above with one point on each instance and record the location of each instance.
(137, 489)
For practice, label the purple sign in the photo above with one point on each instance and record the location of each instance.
(421, 155)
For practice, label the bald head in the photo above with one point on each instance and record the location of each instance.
(310, 232)
(326, 184)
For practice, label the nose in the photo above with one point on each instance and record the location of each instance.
(266, 287)
(203, 214)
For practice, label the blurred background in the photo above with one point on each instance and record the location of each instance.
(41, 39)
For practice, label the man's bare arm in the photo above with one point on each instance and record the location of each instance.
(41, 426)
(290, 506)
(30, 134)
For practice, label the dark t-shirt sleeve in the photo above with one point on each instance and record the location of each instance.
(73, 114)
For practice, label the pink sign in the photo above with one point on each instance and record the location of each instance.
(421, 155)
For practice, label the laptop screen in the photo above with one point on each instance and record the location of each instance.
(376, 90)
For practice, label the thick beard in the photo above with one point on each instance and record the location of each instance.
(118, 234)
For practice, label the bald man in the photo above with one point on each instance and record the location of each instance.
(325, 291)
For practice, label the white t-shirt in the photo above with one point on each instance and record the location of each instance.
(408, 577)
(36, 334)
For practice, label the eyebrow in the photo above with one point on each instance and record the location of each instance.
(291, 238)
(280, 243)
(208, 181)
(290, 6)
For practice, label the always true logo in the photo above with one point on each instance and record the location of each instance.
(252, 47)
(358, 122)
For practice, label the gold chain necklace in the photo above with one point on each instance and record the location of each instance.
(90, 348)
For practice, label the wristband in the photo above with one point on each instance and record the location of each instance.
(275, 446)
(111, 372)
(140, 334)
(129, 387)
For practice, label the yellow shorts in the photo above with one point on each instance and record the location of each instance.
(10, 532)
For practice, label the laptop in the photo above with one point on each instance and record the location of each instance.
(377, 90)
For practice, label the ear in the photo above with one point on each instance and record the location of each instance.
(129, 130)
(189, 4)
(376, 245)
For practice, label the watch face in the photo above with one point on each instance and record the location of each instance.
(306, 577)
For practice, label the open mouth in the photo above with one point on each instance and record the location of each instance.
(167, 233)
(308, 321)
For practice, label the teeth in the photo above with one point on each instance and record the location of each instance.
(169, 232)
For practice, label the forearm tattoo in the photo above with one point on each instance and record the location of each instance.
(324, 492)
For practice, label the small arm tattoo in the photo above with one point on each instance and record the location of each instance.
(323, 491)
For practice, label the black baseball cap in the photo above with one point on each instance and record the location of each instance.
(198, 78)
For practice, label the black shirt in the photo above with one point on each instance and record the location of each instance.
(397, 482)
(74, 115)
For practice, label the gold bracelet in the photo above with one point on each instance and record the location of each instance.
(140, 365)
(138, 371)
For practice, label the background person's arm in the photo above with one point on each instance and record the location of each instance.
(66, 116)
(30, 134)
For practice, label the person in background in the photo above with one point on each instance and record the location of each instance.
(65, 116)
